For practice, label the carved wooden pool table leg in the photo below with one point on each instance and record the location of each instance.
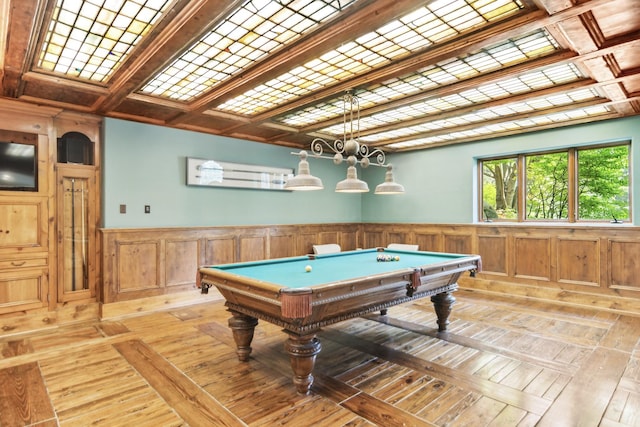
(302, 353)
(442, 304)
(242, 327)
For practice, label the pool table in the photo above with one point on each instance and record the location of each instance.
(338, 287)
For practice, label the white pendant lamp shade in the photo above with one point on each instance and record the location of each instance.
(389, 186)
(352, 184)
(303, 181)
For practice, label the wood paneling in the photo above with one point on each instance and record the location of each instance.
(305, 241)
(374, 239)
(457, 244)
(253, 248)
(532, 258)
(184, 253)
(282, 246)
(220, 250)
(138, 265)
(624, 264)
(349, 239)
(547, 262)
(494, 254)
(578, 261)
(428, 241)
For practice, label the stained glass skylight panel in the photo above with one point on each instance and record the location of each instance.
(457, 69)
(429, 24)
(477, 95)
(250, 33)
(89, 39)
(506, 110)
(496, 128)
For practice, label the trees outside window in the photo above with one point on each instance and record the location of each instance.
(499, 189)
(586, 183)
(547, 178)
(603, 183)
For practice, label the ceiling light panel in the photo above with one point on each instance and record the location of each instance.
(457, 69)
(540, 78)
(530, 123)
(250, 33)
(507, 110)
(90, 39)
(432, 23)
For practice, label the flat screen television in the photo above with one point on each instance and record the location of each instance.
(18, 167)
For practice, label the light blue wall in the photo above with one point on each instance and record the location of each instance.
(441, 183)
(146, 165)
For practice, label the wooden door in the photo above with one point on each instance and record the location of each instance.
(76, 231)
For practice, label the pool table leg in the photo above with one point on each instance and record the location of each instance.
(302, 353)
(242, 327)
(442, 304)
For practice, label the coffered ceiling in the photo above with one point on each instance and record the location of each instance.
(426, 73)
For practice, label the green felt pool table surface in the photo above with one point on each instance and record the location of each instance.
(330, 268)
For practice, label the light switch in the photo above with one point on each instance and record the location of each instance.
(147, 209)
(123, 209)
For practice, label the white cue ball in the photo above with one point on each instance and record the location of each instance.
(307, 268)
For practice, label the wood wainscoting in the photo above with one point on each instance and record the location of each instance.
(145, 268)
(580, 264)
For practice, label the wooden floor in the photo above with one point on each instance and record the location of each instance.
(505, 362)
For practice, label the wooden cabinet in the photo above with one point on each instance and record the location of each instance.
(25, 231)
(48, 249)
(24, 259)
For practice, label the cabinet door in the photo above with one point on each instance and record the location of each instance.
(23, 221)
(23, 289)
(76, 233)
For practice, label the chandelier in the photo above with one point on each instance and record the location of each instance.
(355, 153)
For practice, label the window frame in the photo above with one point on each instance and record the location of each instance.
(572, 185)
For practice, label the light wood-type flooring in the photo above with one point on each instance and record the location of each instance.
(505, 362)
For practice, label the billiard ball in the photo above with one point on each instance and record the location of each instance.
(307, 268)
(397, 258)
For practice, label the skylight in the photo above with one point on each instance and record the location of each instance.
(250, 33)
(90, 39)
(430, 24)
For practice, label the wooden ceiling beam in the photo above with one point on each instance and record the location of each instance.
(23, 23)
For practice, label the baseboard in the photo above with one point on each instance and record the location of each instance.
(555, 295)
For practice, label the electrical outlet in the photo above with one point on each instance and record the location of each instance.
(123, 209)
(147, 209)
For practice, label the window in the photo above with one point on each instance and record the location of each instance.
(547, 177)
(577, 184)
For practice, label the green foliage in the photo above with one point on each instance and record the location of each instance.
(547, 186)
(500, 188)
(603, 183)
